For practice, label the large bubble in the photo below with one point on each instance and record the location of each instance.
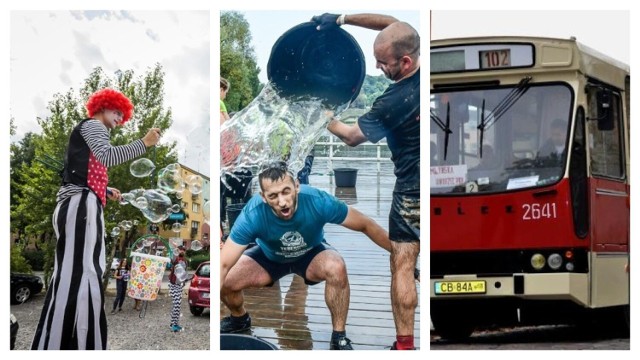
(157, 206)
(170, 180)
(142, 167)
(195, 184)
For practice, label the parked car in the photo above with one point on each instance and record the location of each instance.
(14, 331)
(199, 290)
(24, 287)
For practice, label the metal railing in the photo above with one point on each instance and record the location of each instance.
(334, 146)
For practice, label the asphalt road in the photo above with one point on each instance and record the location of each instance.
(539, 338)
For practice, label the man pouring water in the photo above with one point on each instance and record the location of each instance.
(395, 115)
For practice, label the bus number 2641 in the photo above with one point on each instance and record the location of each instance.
(539, 211)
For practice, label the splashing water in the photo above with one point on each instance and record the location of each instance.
(142, 167)
(272, 128)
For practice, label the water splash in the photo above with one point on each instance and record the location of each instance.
(272, 128)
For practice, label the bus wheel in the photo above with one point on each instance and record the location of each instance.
(451, 323)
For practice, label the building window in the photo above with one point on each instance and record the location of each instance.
(195, 225)
(195, 207)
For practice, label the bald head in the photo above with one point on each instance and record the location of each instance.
(402, 38)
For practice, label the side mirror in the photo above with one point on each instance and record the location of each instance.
(605, 120)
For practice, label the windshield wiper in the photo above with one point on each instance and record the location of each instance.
(503, 106)
(444, 126)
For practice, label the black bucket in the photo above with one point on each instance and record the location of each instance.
(345, 177)
(244, 342)
(327, 64)
(233, 211)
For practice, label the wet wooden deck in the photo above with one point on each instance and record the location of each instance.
(292, 315)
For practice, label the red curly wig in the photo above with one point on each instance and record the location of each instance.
(112, 100)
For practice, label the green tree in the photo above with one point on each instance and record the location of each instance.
(238, 61)
(37, 184)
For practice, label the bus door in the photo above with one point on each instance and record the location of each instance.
(608, 190)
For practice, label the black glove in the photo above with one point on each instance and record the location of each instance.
(326, 21)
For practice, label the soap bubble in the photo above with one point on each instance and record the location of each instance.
(169, 180)
(176, 227)
(206, 212)
(179, 194)
(180, 273)
(195, 184)
(135, 222)
(157, 205)
(142, 167)
(175, 208)
(115, 231)
(128, 197)
(141, 203)
(196, 245)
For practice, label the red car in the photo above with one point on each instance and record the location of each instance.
(199, 289)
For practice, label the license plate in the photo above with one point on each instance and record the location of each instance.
(460, 287)
(205, 295)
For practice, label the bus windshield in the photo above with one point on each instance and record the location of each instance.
(499, 139)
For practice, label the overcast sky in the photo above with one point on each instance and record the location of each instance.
(268, 26)
(607, 31)
(53, 51)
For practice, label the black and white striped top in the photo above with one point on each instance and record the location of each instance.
(94, 139)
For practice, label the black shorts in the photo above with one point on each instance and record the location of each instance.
(404, 218)
(279, 270)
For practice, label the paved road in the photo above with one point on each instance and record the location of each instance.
(538, 338)
(126, 329)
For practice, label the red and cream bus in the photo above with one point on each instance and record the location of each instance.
(529, 183)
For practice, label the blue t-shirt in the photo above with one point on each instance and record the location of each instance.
(396, 115)
(285, 241)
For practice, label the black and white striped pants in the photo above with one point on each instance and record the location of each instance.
(175, 291)
(73, 314)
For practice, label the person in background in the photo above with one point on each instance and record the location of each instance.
(122, 279)
(224, 89)
(175, 288)
(395, 115)
(73, 316)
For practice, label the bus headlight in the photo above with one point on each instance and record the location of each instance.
(555, 261)
(537, 261)
(569, 266)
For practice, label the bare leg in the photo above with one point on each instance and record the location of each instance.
(246, 273)
(330, 267)
(404, 296)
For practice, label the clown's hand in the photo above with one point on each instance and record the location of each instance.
(152, 137)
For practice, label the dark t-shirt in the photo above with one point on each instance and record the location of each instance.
(396, 115)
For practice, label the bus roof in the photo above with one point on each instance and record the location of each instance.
(587, 60)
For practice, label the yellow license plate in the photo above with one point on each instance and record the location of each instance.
(460, 287)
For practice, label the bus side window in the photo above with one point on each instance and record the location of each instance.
(607, 147)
